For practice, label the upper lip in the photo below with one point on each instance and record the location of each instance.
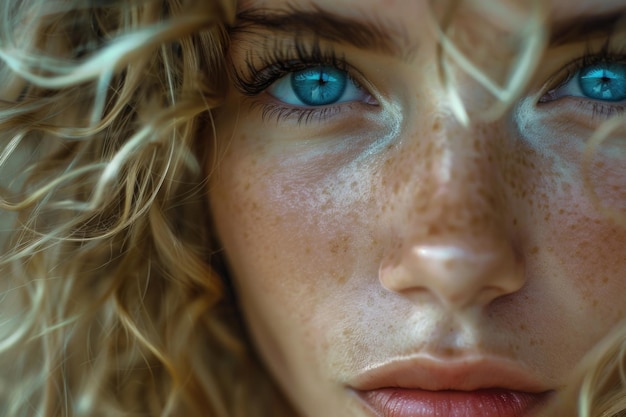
(433, 374)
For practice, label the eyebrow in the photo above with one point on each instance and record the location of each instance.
(368, 33)
(584, 27)
(371, 33)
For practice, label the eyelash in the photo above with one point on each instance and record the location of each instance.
(598, 108)
(281, 60)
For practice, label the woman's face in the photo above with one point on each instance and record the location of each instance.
(391, 260)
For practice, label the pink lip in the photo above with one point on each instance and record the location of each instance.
(426, 387)
(399, 402)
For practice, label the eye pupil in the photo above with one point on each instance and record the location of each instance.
(605, 81)
(319, 86)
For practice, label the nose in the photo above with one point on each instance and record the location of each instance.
(453, 228)
(457, 274)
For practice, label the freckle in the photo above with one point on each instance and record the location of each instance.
(307, 250)
(437, 125)
(325, 345)
(522, 327)
(534, 250)
(340, 244)
(515, 221)
(341, 279)
(433, 230)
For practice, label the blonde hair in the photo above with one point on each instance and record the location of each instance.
(112, 303)
(109, 304)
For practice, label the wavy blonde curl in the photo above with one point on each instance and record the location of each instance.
(110, 306)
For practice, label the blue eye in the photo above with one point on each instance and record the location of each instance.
(604, 81)
(317, 86)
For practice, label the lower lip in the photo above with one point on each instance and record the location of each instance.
(398, 402)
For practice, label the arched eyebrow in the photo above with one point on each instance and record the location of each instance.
(367, 33)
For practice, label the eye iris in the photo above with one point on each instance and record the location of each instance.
(604, 82)
(319, 86)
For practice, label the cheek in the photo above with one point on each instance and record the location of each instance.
(301, 250)
(577, 248)
(292, 232)
(586, 250)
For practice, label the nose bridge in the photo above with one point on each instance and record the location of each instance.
(454, 240)
(461, 183)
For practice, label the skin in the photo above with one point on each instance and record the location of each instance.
(389, 231)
